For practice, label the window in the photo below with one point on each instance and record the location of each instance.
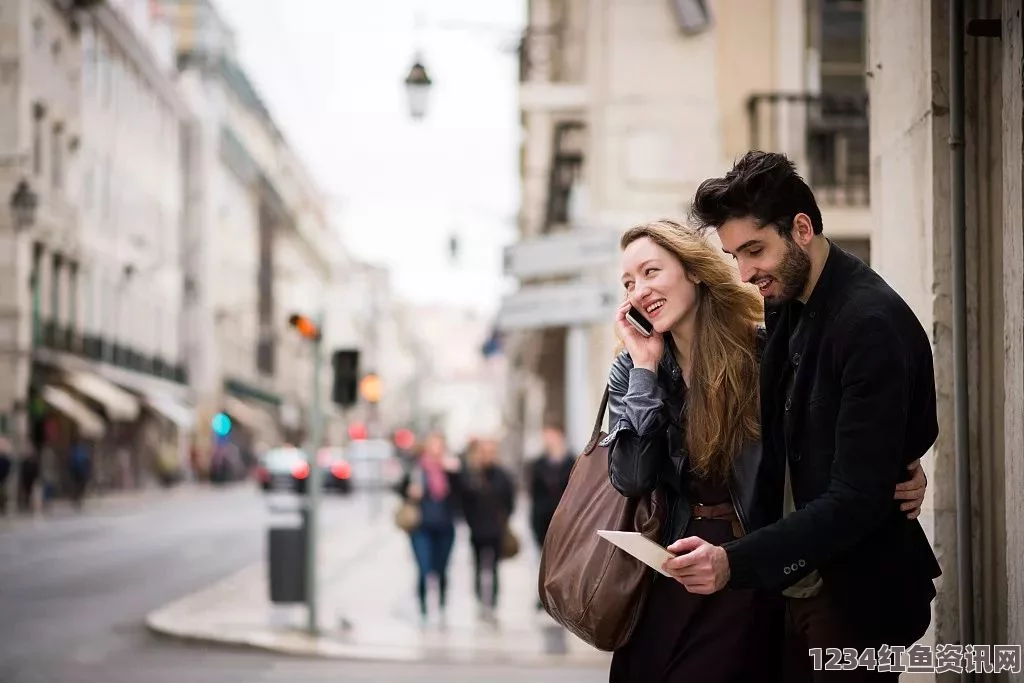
(55, 288)
(37, 296)
(38, 113)
(73, 322)
(88, 57)
(57, 157)
(38, 33)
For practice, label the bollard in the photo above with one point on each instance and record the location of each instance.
(286, 548)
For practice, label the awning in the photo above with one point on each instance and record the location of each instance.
(252, 417)
(89, 423)
(119, 404)
(180, 415)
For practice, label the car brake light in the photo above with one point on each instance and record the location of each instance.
(300, 470)
(341, 469)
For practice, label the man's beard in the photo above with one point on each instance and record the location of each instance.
(792, 274)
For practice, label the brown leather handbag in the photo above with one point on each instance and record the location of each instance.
(589, 586)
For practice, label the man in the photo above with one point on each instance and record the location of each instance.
(847, 404)
(549, 476)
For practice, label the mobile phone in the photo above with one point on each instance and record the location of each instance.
(637, 320)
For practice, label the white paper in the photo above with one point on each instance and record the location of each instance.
(643, 549)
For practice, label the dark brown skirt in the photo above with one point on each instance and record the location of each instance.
(733, 636)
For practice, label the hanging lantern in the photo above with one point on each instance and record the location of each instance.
(417, 88)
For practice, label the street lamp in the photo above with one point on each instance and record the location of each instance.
(23, 206)
(417, 87)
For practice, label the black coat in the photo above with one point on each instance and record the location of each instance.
(548, 481)
(488, 500)
(648, 448)
(859, 408)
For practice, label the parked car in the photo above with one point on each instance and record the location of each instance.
(337, 471)
(287, 469)
(375, 463)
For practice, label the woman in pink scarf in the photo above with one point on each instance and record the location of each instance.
(432, 483)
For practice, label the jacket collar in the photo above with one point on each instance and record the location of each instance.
(837, 264)
(668, 364)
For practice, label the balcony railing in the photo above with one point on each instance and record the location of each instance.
(99, 349)
(826, 135)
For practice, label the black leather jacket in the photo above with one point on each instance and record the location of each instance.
(648, 449)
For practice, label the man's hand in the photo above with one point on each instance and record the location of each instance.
(702, 567)
(912, 491)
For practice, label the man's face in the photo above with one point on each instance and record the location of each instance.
(553, 440)
(779, 267)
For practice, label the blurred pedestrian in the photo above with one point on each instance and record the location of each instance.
(548, 476)
(488, 500)
(28, 475)
(80, 471)
(432, 484)
(6, 465)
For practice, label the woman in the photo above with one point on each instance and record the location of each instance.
(684, 419)
(432, 484)
(488, 499)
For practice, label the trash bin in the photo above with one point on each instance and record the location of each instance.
(286, 549)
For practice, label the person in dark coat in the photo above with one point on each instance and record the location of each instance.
(549, 475)
(488, 500)
(848, 405)
(684, 422)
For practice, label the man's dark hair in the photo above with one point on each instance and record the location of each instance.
(761, 185)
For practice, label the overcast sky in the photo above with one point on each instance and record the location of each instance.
(331, 72)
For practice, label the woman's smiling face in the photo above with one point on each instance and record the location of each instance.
(657, 284)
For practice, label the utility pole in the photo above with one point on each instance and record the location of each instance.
(311, 330)
(313, 492)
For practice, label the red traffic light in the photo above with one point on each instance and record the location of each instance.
(305, 325)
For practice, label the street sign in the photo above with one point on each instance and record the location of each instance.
(577, 303)
(563, 253)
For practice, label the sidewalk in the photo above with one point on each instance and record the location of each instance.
(368, 608)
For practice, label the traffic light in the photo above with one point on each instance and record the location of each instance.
(221, 424)
(305, 325)
(344, 390)
(371, 388)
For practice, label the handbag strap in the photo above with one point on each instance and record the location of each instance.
(595, 434)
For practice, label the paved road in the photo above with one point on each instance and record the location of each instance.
(75, 589)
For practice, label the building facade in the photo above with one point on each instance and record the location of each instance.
(261, 249)
(914, 182)
(92, 285)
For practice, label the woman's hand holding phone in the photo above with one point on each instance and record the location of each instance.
(644, 351)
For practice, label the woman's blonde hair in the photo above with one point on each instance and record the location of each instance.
(722, 404)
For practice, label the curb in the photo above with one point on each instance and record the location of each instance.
(302, 646)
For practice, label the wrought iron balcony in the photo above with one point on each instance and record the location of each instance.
(826, 135)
